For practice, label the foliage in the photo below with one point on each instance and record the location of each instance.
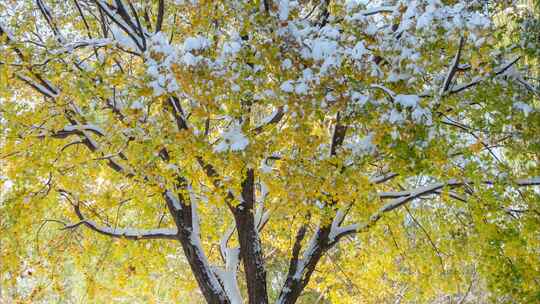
(361, 153)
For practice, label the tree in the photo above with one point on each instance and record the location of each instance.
(294, 151)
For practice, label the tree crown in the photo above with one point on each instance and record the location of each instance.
(297, 150)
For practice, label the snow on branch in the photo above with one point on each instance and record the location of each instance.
(40, 88)
(378, 10)
(186, 217)
(379, 179)
(386, 90)
(228, 274)
(453, 68)
(261, 217)
(524, 182)
(412, 195)
(174, 200)
(73, 129)
(476, 80)
(45, 88)
(83, 130)
(195, 239)
(132, 234)
(274, 118)
(126, 32)
(301, 269)
(70, 46)
(403, 197)
(125, 233)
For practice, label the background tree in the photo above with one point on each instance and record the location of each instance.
(271, 151)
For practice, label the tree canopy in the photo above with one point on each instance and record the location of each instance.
(263, 151)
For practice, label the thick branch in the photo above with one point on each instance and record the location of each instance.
(228, 274)
(186, 219)
(250, 243)
(300, 270)
(293, 264)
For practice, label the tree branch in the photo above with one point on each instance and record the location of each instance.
(276, 118)
(324, 238)
(125, 25)
(178, 113)
(161, 11)
(338, 136)
(498, 71)
(228, 274)
(524, 182)
(49, 91)
(453, 68)
(300, 270)
(250, 243)
(404, 197)
(129, 234)
(187, 221)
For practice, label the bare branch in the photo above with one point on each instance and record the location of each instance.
(161, 11)
(453, 68)
(379, 179)
(498, 71)
(130, 234)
